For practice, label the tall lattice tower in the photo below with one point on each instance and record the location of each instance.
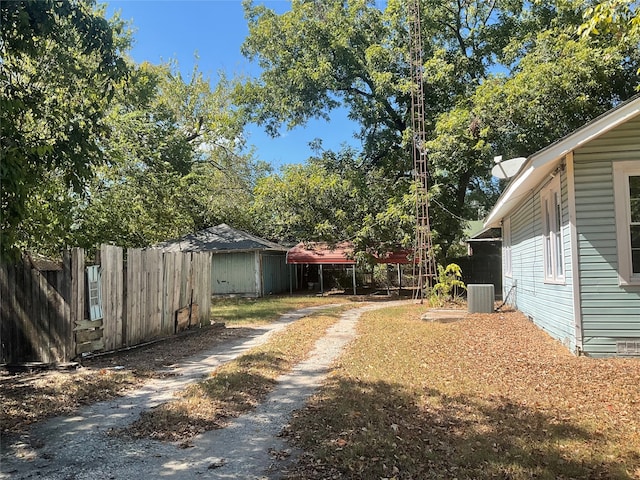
(424, 267)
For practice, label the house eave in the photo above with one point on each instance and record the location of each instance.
(543, 163)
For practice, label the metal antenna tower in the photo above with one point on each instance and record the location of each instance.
(424, 266)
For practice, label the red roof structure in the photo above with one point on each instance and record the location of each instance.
(320, 253)
(400, 256)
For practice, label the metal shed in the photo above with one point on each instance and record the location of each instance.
(242, 264)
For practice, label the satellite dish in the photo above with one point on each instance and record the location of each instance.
(507, 168)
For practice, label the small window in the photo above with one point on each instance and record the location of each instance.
(626, 177)
(506, 246)
(551, 206)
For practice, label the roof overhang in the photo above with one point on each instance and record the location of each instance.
(319, 253)
(541, 164)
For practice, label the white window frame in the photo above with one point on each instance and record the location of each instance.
(552, 232)
(621, 173)
(506, 247)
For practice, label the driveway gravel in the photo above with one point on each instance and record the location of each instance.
(79, 447)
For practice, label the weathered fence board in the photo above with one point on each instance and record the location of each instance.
(202, 285)
(34, 317)
(172, 278)
(155, 266)
(77, 296)
(111, 262)
(5, 330)
(135, 297)
(45, 314)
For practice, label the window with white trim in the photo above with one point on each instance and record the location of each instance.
(506, 246)
(551, 208)
(626, 181)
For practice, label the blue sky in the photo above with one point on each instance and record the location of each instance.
(215, 30)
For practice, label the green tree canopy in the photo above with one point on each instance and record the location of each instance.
(60, 64)
(176, 161)
(500, 77)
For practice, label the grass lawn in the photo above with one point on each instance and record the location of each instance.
(241, 311)
(488, 397)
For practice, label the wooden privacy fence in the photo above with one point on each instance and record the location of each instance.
(55, 315)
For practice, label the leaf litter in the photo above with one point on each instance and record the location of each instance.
(491, 396)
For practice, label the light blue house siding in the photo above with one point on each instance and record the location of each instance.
(610, 312)
(549, 305)
(594, 308)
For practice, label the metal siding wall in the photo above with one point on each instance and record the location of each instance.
(550, 305)
(275, 273)
(233, 273)
(609, 312)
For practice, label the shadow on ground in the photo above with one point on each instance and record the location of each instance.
(361, 430)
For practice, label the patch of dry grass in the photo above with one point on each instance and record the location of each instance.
(241, 311)
(236, 386)
(30, 398)
(488, 397)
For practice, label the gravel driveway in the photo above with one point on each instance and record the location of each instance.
(79, 448)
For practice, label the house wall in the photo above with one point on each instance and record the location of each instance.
(234, 273)
(549, 305)
(610, 312)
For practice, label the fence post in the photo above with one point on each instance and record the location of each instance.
(64, 288)
(7, 327)
(77, 294)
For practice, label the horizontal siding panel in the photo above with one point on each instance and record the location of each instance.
(588, 250)
(605, 225)
(592, 237)
(613, 312)
(613, 293)
(620, 155)
(601, 347)
(595, 267)
(608, 310)
(615, 330)
(603, 305)
(612, 148)
(601, 193)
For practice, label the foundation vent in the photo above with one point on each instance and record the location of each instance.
(628, 347)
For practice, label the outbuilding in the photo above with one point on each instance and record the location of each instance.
(242, 264)
(340, 256)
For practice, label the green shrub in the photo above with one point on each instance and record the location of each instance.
(449, 287)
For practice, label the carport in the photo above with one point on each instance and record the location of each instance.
(322, 254)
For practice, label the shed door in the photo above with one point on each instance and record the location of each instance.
(233, 273)
(275, 273)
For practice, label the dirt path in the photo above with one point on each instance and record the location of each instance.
(79, 448)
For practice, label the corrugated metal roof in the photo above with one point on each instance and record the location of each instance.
(321, 253)
(341, 253)
(219, 238)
